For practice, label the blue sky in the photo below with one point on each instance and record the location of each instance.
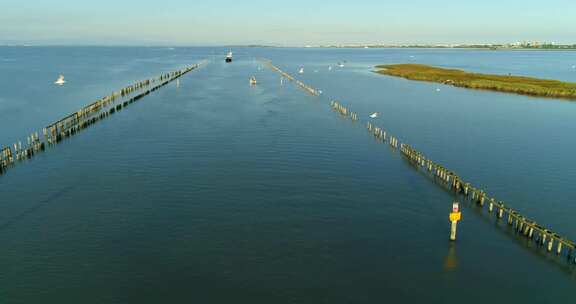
(295, 22)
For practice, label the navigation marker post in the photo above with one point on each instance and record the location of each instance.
(455, 216)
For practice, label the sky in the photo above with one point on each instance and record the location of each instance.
(289, 23)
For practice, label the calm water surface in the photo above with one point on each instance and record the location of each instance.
(218, 192)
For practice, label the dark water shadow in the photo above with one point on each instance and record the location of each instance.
(34, 208)
(561, 262)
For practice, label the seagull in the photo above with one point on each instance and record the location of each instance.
(374, 115)
(60, 80)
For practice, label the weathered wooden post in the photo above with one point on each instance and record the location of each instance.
(551, 243)
(526, 229)
(522, 222)
(491, 206)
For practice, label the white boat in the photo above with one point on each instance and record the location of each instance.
(229, 57)
(60, 80)
(253, 80)
(340, 64)
(330, 68)
(301, 71)
(374, 115)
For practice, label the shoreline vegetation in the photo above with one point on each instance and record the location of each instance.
(493, 47)
(501, 83)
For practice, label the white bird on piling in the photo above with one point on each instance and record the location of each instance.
(374, 115)
(60, 80)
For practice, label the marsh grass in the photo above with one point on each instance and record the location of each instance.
(501, 83)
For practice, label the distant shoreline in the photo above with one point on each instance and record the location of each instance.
(439, 47)
(501, 83)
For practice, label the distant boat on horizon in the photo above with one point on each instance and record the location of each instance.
(60, 81)
(229, 56)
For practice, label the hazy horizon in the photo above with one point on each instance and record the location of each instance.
(294, 23)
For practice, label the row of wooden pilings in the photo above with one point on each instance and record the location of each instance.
(343, 110)
(305, 87)
(380, 134)
(85, 117)
(524, 226)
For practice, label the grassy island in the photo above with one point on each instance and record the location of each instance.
(501, 83)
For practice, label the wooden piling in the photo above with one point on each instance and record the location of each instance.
(453, 182)
(88, 115)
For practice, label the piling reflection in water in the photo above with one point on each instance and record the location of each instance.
(85, 117)
(522, 225)
(451, 261)
(543, 237)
